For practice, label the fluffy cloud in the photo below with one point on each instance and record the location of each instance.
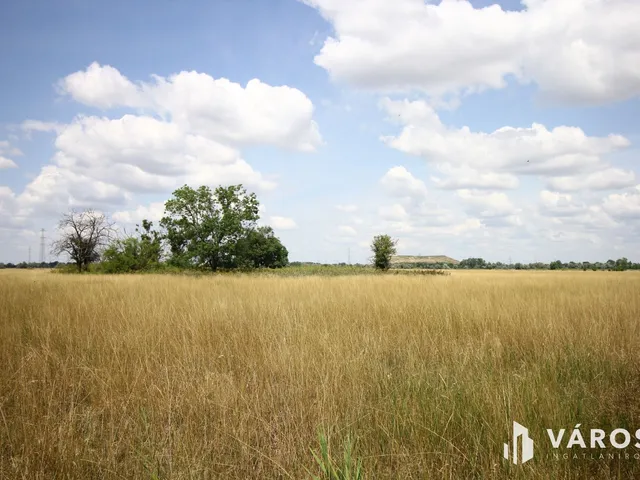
(607, 179)
(7, 200)
(445, 221)
(492, 160)
(7, 149)
(283, 223)
(11, 215)
(465, 178)
(217, 109)
(103, 87)
(56, 189)
(414, 209)
(153, 212)
(484, 204)
(592, 218)
(625, 205)
(29, 126)
(418, 215)
(559, 204)
(143, 154)
(399, 182)
(395, 212)
(574, 50)
(7, 163)
(186, 128)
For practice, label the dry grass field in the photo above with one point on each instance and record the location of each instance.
(174, 377)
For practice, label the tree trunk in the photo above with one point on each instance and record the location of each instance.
(214, 260)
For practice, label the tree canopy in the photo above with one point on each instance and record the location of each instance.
(218, 229)
(204, 226)
(83, 236)
(260, 248)
(383, 248)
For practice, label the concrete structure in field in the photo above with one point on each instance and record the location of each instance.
(409, 259)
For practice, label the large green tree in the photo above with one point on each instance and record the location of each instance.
(260, 248)
(203, 227)
(383, 248)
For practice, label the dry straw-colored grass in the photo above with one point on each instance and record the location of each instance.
(232, 377)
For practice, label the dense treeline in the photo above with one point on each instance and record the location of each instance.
(134, 259)
(132, 255)
(480, 264)
(141, 254)
(30, 265)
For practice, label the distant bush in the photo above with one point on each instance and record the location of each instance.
(133, 254)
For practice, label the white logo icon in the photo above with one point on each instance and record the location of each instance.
(527, 444)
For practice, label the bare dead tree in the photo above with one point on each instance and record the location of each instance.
(83, 236)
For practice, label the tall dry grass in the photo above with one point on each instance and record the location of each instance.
(185, 378)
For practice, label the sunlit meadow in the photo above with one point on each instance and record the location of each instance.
(235, 377)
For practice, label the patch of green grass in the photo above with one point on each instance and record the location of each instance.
(345, 467)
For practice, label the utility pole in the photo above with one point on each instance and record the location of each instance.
(349, 256)
(29, 254)
(42, 245)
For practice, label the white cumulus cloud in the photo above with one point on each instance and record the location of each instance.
(573, 50)
(560, 204)
(218, 109)
(399, 182)
(283, 223)
(186, 128)
(152, 212)
(7, 150)
(487, 204)
(624, 205)
(565, 156)
(395, 212)
(7, 163)
(610, 178)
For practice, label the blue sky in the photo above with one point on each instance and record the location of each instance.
(367, 137)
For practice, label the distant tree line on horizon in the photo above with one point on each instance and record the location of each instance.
(30, 265)
(620, 264)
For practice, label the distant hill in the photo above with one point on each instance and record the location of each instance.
(397, 259)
